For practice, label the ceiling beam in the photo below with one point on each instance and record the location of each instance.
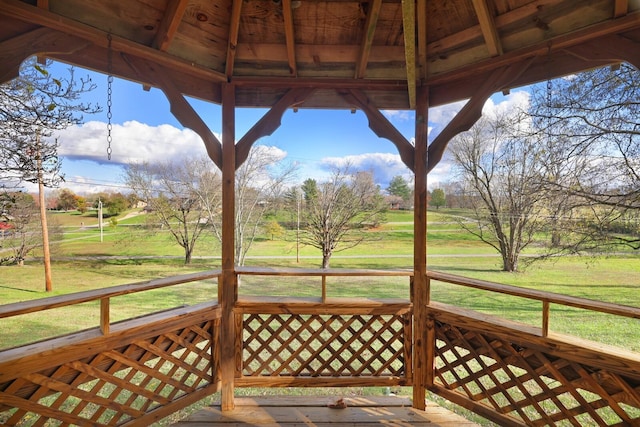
(169, 25)
(629, 22)
(367, 38)
(32, 14)
(409, 26)
(422, 22)
(488, 27)
(234, 29)
(287, 14)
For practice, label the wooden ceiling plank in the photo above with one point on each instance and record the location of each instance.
(488, 27)
(381, 126)
(409, 25)
(621, 8)
(626, 23)
(287, 13)
(234, 29)
(367, 40)
(27, 13)
(169, 25)
(472, 110)
(422, 22)
(269, 122)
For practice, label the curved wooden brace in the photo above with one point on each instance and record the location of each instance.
(180, 108)
(472, 110)
(381, 126)
(39, 41)
(269, 122)
(613, 48)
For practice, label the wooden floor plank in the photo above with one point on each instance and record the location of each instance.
(304, 411)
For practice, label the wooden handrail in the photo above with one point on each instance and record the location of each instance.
(31, 306)
(548, 297)
(320, 272)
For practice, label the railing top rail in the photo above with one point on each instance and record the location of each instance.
(337, 272)
(41, 304)
(584, 303)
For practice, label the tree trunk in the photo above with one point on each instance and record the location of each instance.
(326, 257)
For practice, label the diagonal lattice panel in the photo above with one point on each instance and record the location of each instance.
(115, 385)
(323, 345)
(529, 385)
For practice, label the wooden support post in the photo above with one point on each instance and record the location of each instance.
(104, 316)
(546, 312)
(420, 342)
(228, 289)
(324, 289)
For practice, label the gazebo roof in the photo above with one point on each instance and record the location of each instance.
(385, 48)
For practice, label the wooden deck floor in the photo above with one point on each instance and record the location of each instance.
(314, 411)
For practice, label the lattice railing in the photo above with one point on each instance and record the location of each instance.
(143, 370)
(299, 343)
(522, 378)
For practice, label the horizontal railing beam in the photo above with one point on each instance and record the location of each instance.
(315, 272)
(280, 305)
(41, 304)
(548, 297)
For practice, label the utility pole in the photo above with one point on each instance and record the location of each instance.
(46, 254)
(100, 218)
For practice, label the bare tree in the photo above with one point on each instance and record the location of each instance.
(336, 211)
(33, 106)
(168, 190)
(24, 235)
(501, 172)
(593, 122)
(260, 181)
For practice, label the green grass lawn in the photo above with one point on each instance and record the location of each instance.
(129, 254)
(83, 262)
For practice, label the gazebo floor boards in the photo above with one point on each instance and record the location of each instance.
(315, 411)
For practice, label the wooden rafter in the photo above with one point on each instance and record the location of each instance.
(234, 29)
(621, 8)
(367, 39)
(24, 11)
(472, 110)
(409, 25)
(269, 122)
(287, 13)
(381, 126)
(422, 19)
(169, 25)
(488, 27)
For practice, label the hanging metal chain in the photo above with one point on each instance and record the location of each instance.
(549, 94)
(109, 93)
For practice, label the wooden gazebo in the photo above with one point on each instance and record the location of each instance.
(369, 55)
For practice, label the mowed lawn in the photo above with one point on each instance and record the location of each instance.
(129, 254)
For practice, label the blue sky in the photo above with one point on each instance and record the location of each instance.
(144, 129)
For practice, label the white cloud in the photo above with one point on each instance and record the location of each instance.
(131, 142)
(383, 165)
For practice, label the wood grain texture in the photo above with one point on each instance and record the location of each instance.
(360, 412)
